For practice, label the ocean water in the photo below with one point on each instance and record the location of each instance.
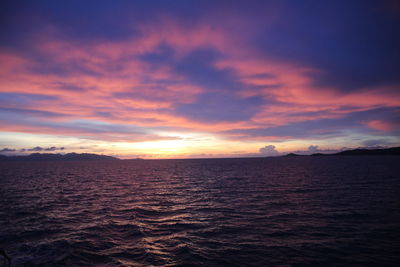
(321, 211)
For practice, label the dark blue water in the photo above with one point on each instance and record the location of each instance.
(220, 212)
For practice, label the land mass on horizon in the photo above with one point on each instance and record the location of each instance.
(356, 152)
(90, 156)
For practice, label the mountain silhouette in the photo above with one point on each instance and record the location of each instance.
(357, 152)
(363, 151)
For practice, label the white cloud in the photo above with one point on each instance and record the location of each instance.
(269, 151)
(313, 149)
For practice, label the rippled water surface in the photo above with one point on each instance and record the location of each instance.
(216, 212)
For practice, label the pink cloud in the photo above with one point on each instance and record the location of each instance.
(291, 89)
(384, 126)
(134, 92)
(116, 75)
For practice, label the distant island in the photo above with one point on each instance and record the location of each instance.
(56, 157)
(89, 156)
(356, 152)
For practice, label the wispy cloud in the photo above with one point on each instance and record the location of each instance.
(33, 149)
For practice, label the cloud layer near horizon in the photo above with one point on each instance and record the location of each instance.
(241, 74)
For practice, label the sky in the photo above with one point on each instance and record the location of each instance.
(194, 79)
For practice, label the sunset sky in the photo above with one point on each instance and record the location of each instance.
(184, 79)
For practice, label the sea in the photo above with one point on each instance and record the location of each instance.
(284, 211)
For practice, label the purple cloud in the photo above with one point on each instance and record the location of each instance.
(7, 150)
